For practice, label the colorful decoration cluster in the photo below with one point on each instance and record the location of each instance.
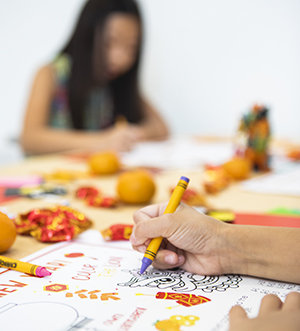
(192, 197)
(254, 132)
(52, 224)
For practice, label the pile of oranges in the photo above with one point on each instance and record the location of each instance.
(133, 186)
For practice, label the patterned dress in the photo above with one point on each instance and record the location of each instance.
(98, 112)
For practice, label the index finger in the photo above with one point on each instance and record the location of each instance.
(148, 212)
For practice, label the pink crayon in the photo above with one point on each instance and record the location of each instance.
(42, 272)
(21, 266)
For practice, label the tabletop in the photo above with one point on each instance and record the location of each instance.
(234, 197)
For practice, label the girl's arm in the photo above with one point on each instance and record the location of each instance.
(38, 138)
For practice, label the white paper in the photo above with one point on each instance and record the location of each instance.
(95, 286)
(178, 153)
(284, 183)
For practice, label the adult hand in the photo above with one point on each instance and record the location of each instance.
(273, 315)
(193, 241)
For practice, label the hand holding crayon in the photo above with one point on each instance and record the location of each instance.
(174, 201)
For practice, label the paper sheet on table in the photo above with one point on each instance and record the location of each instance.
(178, 153)
(283, 183)
(96, 286)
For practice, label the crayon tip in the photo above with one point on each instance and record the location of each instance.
(145, 264)
(42, 272)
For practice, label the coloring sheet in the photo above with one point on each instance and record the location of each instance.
(96, 286)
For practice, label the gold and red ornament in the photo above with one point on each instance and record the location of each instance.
(215, 179)
(100, 201)
(117, 232)
(294, 154)
(52, 224)
(93, 197)
(184, 299)
(192, 198)
(86, 192)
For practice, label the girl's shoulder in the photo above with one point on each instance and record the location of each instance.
(44, 77)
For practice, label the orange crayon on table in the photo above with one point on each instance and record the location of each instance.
(25, 267)
(174, 201)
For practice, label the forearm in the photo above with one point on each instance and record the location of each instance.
(268, 252)
(48, 140)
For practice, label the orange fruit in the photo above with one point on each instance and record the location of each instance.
(238, 168)
(104, 163)
(8, 232)
(135, 186)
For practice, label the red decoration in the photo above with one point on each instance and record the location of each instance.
(93, 197)
(183, 299)
(56, 288)
(52, 224)
(294, 154)
(99, 201)
(74, 255)
(117, 232)
(215, 179)
(86, 192)
(192, 197)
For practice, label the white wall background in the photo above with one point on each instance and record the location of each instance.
(205, 61)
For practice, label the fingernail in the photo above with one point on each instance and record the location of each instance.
(132, 239)
(170, 259)
(141, 249)
(181, 259)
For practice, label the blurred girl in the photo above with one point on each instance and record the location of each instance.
(88, 97)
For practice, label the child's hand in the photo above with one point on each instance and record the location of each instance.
(193, 241)
(122, 138)
(273, 315)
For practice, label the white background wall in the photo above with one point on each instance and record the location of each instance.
(205, 61)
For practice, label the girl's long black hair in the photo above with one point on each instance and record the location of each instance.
(80, 48)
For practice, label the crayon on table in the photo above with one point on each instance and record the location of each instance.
(174, 201)
(25, 267)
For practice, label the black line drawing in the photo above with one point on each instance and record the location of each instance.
(181, 281)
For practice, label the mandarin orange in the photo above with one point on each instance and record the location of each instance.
(7, 232)
(238, 168)
(104, 163)
(135, 187)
